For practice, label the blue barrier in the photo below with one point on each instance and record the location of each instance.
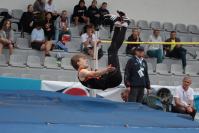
(47, 112)
(10, 83)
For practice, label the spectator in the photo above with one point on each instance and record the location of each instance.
(103, 11)
(7, 37)
(60, 22)
(49, 29)
(80, 13)
(88, 40)
(64, 38)
(134, 37)
(50, 7)
(184, 98)
(8, 30)
(39, 6)
(155, 50)
(175, 51)
(38, 41)
(27, 20)
(136, 76)
(93, 14)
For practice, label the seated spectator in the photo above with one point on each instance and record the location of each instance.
(64, 38)
(39, 6)
(38, 41)
(103, 11)
(175, 51)
(7, 37)
(50, 7)
(79, 13)
(60, 22)
(93, 14)
(49, 29)
(134, 37)
(155, 50)
(88, 41)
(184, 98)
(27, 20)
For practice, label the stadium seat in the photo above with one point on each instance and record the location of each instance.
(144, 35)
(177, 80)
(168, 26)
(74, 45)
(150, 68)
(155, 25)
(75, 32)
(22, 43)
(192, 70)
(162, 69)
(14, 26)
(153, 61)
(30, 76)
(65, 64)
(3, 10)
(51, 63)
(69, 76)
(165, 80)
(186, 38)
(9, 75)
(104, 34)
(153, 79)
(16, 14)
(170, 61)
(16, 35)
(17, 60)
(181, 28)
(193, 29)
(103, 62)
(48, 77)
(143, 24)
(132, 23)
(105, 47)
(3, 61)
(176, 69)
(34, 62)
(197, 55)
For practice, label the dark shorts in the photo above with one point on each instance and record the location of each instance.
(36, 45)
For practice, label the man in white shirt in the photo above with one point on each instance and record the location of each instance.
(184, 98)
(50, 7)
(38, 41)
(155, 50)
(88, 40)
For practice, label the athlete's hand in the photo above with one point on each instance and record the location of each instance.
(189, 109)
(110, 68)
(125, 94)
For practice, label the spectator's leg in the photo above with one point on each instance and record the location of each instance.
(183, 53)
(140, 95)
(133, 95)
(76, 20)
(159, 56)
(1, 48)
(56, 34)
(48, 46)
(181, 110)
(10, 46)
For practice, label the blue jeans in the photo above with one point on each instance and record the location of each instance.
(157, 53)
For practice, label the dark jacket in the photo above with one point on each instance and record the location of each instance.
(132, 77)
(92, 11)
(25, 21)
(103, 12)
(130, 48)
(79, 11)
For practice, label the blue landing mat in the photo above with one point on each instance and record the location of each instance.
(46, 112)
